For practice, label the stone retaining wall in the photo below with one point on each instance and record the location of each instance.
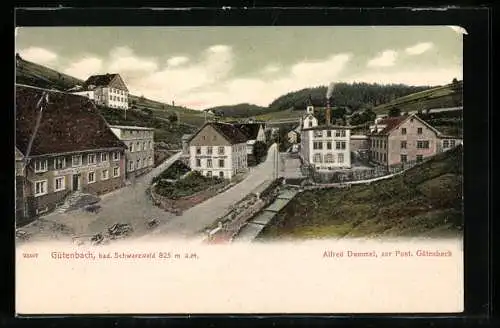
(181, 204)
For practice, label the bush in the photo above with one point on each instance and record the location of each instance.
(175, 171)
(191, 184)
(259, 151)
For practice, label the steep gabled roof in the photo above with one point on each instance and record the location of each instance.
(69, 123)
(251, 130)
(228, 131)
(102, 80)
(392, 123)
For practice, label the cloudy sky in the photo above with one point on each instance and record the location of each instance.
(201, 67)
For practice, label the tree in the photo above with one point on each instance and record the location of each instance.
(394, 112)
(259, 151)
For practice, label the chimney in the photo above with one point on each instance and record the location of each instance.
(328, 113)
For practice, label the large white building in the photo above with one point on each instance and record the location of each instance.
(107, 90)
(325, 147)
(218, 149)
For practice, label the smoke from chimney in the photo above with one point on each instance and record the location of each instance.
(330, 90)
(328, 113)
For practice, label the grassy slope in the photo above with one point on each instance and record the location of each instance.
(164, 131)
(433, 98)
(426, 200)
(41, 76)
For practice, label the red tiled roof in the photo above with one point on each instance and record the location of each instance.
(69, 123)
(390, 124)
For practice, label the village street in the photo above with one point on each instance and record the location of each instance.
(195, 219)
(132, 205)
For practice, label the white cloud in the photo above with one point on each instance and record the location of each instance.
(177, 61)
(39, 55)
(85, 67)
(384, 59)
(262, 90)
(189, 80)
(123, 59)
(271, 68)
(419, 48)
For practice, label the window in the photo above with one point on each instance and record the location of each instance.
(91, 177)
(150, 161)
(91, 159)
(318, 134)
(104, 175)
(209, 163)
(143, 162)
(452, 143)
(221, 163)
(404, 159)
(385, 144)
(130, 166)
(446, 144)
(209, 150)
(337, 133)
(221, 150)
(209, 174)
(342, 145)
(328, 145)
(403, 131)
(137, 146)
(329, 158)
(138, 164)
(116, 156)
(419, 130)
(40, 188)
(116, 171)
(310, 124)
(385, 157)
(419, 158)
(131, 147)
(198, 162)
(198, 150)
(342, 133)
(403, 144)
(59, 183)
(221, 174)
(76, 160)
(41, 166)
(144, 145)
(317, 145)
(328, 133)
(317, 158)
(59, 163)
(104, 157)
(337, 145)
(204, 137)
(423, 144)
(340, 158)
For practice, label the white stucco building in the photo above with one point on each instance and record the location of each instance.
(218, 149)
(107, 90)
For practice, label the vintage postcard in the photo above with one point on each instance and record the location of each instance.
(176, 170)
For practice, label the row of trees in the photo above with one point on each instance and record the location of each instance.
(353, 96)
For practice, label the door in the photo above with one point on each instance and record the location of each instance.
(76, 180)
